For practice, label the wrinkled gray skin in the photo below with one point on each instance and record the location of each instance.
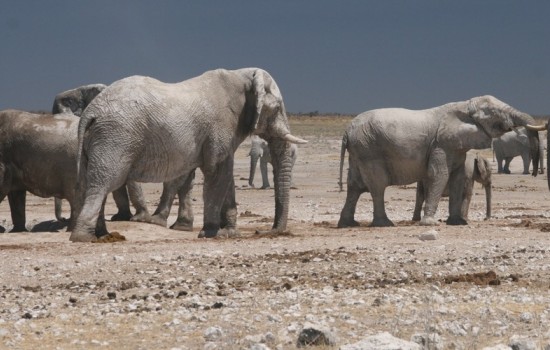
(396, 146)
(165, 131)
(512, 144)
(37, 154)
(476, 169)
(75, 101)
(259, 149)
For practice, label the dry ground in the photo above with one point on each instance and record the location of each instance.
(164, 289)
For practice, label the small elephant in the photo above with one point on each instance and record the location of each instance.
(259, 149)
(512, 144)
(159, 132)
(75, 101)
(476, 169)
(395, 146)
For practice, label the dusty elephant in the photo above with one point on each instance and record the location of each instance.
(476, 169)
(512, 144)
(396, 146)
(38, 155)
(75, 101)
(259, 149)
(165, 131)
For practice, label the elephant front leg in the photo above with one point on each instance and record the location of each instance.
(217, 186)
(263, 169)
(459, 198)
(438, 176)
(17, 208)
(169, 190)
(419, 201)
(120, 197)
(185, 219)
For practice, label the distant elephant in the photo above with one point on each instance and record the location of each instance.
(476, 169)
(515, 143)
(144, 130)
(75, 101)
(396, 146)
(38, 155)
(259, 149)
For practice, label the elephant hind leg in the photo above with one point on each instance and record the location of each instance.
(355, 188)
(90, 223)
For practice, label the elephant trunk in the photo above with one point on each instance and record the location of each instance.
(488, 190)
(281, 156)
(534, 149)
(253, 162)
(524, 119)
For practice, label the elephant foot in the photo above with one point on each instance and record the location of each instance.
(158, 220)
(343, 223)
(19, 229)
(428, 221)
(265, 187)
(525, 173)
(506, 171)
(150, 219)
(251, 185)
(122, 216)
(416, 217)
(2, 229)
(182, 226)
(456, 220)
(381, 222)
(219, 233)
(82, 237)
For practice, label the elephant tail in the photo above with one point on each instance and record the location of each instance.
(342, 156)
(85, 121)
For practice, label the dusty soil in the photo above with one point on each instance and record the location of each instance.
(474, 286)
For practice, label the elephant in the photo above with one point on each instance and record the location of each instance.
(145, 130)
(515, 143)
(37, 154)
(259, 149)
(396, 146)
(74, 101)
(476, 169)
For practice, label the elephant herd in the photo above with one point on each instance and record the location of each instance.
(107, 139)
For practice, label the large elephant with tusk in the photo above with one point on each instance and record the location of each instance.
(395, 146)
(144, 130)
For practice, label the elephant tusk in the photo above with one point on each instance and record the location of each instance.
(537, 127)
(293, 139)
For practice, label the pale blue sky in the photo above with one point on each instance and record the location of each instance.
(330, 56)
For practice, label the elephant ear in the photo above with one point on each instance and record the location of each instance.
(267, 95)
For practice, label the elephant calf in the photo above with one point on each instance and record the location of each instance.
(259, 149)
(476, 169)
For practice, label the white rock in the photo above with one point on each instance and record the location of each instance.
(431, 235)
(213, 333)
(382, 341)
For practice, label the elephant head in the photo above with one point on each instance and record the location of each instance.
(474, 123)
(75, 100)
(270, 122)
(495, 117)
